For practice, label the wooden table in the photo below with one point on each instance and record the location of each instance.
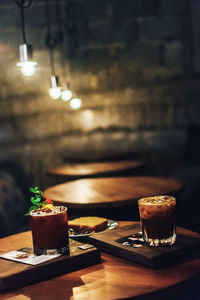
(94, 169)
(113, 278)
(110, 192)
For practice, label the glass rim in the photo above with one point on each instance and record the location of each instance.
(161, 198)
(64, 209)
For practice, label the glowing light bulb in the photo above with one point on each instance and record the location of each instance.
(55, 92)
(26, 64)
(66, 95)
(27, 68)
(75, 103)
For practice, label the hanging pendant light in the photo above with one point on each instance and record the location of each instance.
(66, 93)
(55, 91)
(26, 63)
(51, 42)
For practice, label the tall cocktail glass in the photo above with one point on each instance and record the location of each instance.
(50, 231)
(157, 217)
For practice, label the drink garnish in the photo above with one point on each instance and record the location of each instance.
(38, 203)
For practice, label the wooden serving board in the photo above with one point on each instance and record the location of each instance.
(15, 275)
(159, 257)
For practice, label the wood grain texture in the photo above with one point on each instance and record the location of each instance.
(83, 170)
(114, 278)
(110, 192)
(155, 257)
(15, 275)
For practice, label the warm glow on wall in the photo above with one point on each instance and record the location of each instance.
(87, 119)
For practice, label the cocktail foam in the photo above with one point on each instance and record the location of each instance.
(41, 211)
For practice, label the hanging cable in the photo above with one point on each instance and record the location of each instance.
(51, 42)
(66, 93)
(22, 5)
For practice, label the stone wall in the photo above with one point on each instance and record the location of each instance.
(135, 65)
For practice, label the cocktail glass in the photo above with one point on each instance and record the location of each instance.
(50, 231)
(157, 217)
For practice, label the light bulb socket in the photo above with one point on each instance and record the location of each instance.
(54, 81)
(68, 85)
(25, 52)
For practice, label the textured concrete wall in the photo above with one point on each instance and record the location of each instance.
(134, 63)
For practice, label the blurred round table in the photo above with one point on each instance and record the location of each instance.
(110, 192)
(94, 169)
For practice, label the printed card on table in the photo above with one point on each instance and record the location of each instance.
(26, 256)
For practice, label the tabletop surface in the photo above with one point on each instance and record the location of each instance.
(110, 192)
(113, 278)
(94, 168)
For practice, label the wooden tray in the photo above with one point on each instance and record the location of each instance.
(159, 257)
(15, 275)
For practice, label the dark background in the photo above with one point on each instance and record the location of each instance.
(134, 63)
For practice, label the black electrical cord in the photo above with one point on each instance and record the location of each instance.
(22, 5)
(52, 61)
(60, 36)
(50, 40)
(59, 33)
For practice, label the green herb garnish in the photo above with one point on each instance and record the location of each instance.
(35, 200)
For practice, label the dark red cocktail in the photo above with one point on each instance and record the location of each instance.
(50, 230)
